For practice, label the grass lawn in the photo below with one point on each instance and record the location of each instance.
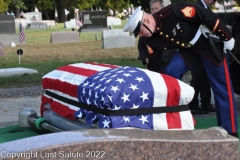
(40, 54)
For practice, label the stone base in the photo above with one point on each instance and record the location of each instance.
(7, 39)
(131, 144)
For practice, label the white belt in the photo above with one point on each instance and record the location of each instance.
(196, 37)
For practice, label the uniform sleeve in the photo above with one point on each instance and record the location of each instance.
(142, 49)
(195, 14)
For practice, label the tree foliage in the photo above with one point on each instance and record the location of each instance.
(47, 7)
(4, 6)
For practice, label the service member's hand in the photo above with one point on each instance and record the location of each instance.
(228, 45)
(147, 60)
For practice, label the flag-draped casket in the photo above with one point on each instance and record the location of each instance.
(116, 88)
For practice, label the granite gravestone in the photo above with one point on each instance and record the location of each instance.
(70, 24)
(37, 25)
(7, 24)
(64, 37)
(33, 16)
(93, 20)
(116, 38)
(8, 30)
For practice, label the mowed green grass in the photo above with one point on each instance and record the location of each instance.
(40, 54)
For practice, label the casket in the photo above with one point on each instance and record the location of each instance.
(111, 96)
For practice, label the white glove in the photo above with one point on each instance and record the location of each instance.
(228, 45)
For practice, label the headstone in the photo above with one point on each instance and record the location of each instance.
(33, 16)
(116, 38)
(93, 20)
(7, 24)
(121, 143)
(112, 21)
(8, 30)
(20, 20)
(37, 25)
(1, 49)
(70, 24)
(64, 37)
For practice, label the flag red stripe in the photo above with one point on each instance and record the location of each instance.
(66, 87)
(58, 85)
(173, 97)
(77, 70)
(57, 107)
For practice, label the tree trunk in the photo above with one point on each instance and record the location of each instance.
(17, 12)
(55, 9)
(47, 16)
(62, 17)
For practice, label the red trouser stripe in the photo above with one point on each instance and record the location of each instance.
(229, 90)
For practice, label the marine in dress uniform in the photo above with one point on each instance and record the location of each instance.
(176, 26)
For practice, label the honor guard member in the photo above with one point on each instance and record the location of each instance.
(178, 26)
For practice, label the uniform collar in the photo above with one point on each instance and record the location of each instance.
(157, 21)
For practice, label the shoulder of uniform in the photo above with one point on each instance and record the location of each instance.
(164, 12)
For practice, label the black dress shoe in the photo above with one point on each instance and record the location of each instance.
(199, 111)
(234, 134)
(209, 108)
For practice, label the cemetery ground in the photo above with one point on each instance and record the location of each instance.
(43, 56)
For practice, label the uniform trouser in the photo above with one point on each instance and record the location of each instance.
(220, 83)
(201, 85)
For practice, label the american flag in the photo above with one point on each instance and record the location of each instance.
(56, 14)
(78, 23)
(23, 14)
(110, 12)
(114, 88)
(22, 35)
(36, 9)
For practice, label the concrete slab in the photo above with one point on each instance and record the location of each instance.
(16, 71)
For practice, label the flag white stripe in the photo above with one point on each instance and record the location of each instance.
(160, 99)
(185, 93)
(90, 66)
(186, 96)
(186, 120)
(74, 79)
